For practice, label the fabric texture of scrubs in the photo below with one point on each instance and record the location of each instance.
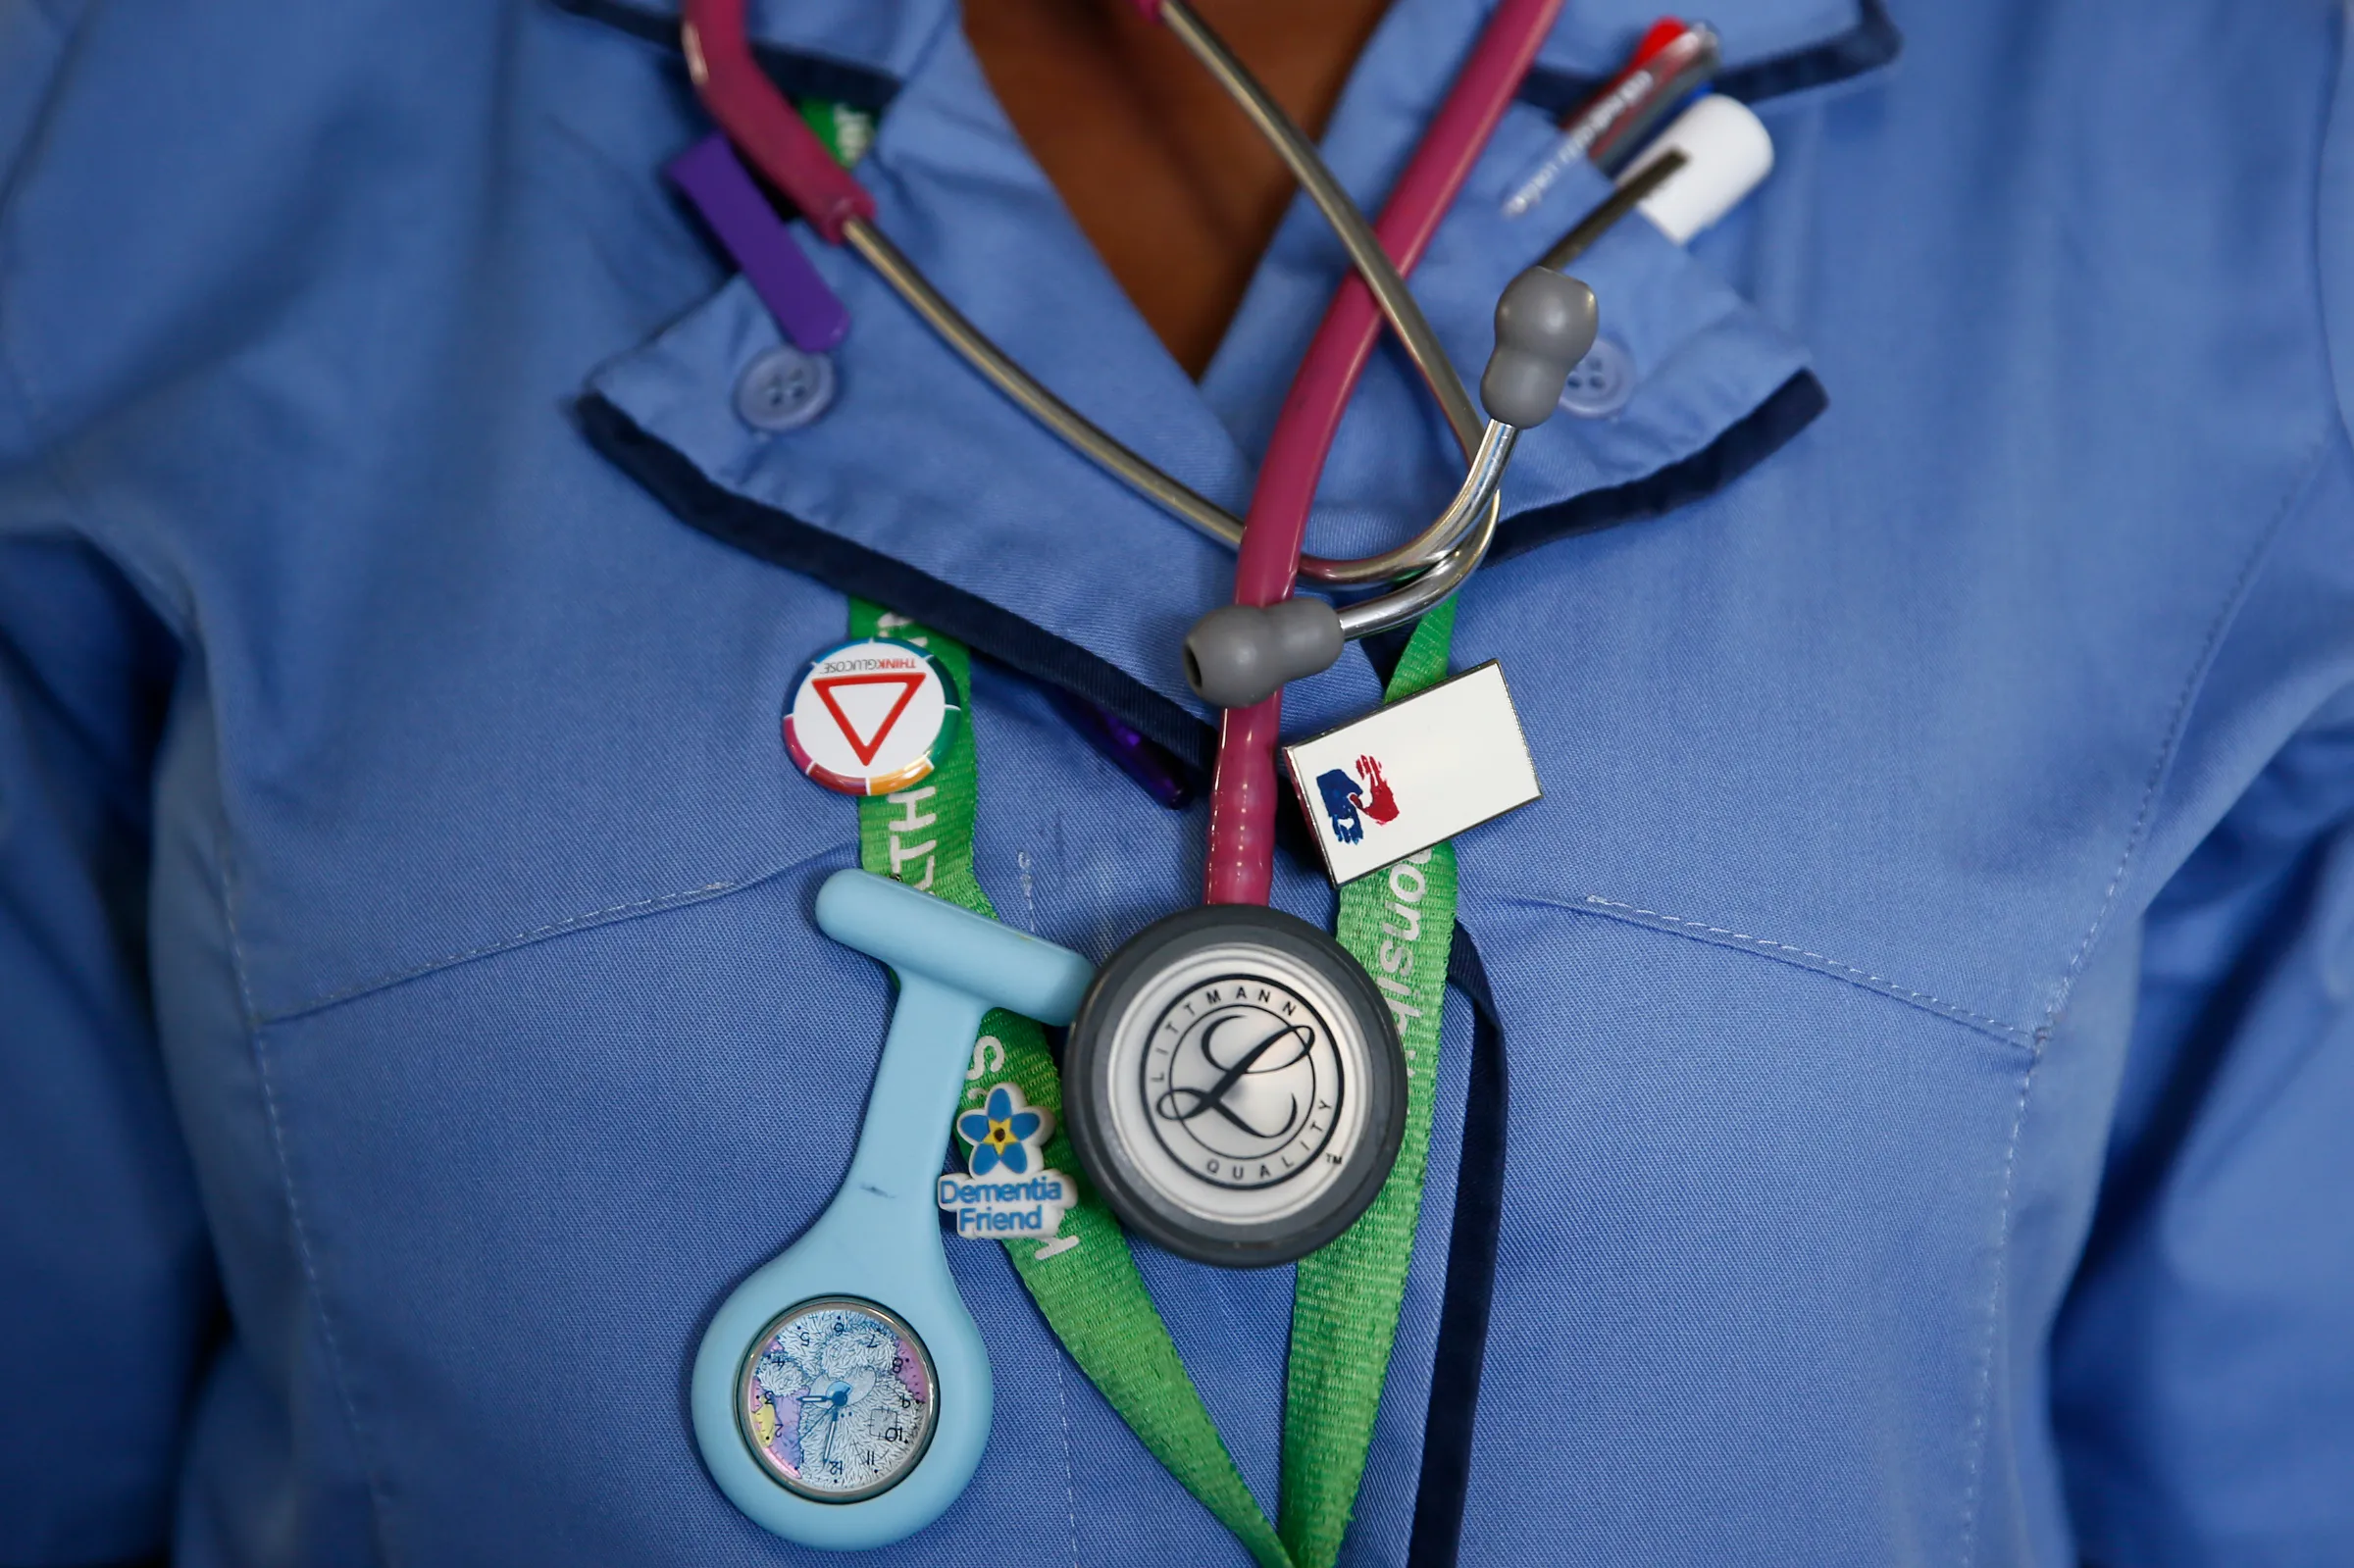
(1928, 983)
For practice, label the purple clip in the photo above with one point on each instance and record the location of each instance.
(715, 179)
(1147, 762)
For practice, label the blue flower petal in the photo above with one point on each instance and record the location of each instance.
(973, 1125)
(1000, 1103)
(1016, 1157)
(985, 1158)
(1026, 1125)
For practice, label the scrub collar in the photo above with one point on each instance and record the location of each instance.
(922, 487)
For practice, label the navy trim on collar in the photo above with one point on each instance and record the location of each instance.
(796, 75)
(1739, 447)
(1872, 42)
(846, 566)
(785, 541)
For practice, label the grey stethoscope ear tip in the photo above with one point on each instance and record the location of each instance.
(1239, 654)
(1545, 322)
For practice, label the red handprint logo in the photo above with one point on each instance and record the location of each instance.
(1379, 804)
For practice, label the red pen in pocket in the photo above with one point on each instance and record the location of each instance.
(1673, 60)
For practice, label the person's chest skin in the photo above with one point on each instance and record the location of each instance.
(506, 1045)
(1173, 187)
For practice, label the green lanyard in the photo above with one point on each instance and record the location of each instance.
(1344, 1301)
(1400, 924)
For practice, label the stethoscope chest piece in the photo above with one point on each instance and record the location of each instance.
(1235, 1086)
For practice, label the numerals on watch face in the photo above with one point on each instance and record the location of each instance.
(837, 1400)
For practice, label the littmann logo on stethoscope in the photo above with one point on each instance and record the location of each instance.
(1351, 801)
(1244, 1082)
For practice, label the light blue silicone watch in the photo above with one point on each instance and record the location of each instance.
(841, 1394)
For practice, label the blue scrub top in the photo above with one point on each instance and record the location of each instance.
(1926, 986)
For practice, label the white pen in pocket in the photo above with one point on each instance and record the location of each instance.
(1699, 168)
(1727, 154)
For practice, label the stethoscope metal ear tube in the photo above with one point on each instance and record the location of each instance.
(1445, 553)
(1467, 525)
(789, 154)
(1348, 220)
(1443, 544)
(1239, 654)
(978, 350)
(1243, 653)
(1173, 495)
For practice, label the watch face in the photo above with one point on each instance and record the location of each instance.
(837, 1400)
(1235, 1086)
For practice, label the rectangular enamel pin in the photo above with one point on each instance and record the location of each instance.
(1415, 772)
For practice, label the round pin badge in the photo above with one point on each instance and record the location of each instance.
(871, 717)
(1235, 1086)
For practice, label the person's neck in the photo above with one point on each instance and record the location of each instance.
(1170, 183)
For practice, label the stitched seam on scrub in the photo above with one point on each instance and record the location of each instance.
(2171, 744)
(606, 916)
(1982, 1401)
(1980, 1427)
(224, 859)
(1798, 957)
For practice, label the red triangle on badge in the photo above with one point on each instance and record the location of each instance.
(866, 748)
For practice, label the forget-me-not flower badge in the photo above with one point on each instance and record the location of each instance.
(1004, 1132)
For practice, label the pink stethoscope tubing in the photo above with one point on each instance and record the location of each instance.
(1240, 862)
